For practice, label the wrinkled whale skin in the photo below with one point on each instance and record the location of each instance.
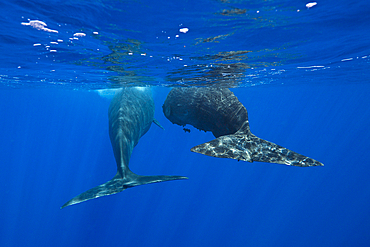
(208, 109)
(218, 110)
(131, 113)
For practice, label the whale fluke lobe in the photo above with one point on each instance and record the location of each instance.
(251, 148)
(111, 187)
(131, 114)
(218, 110)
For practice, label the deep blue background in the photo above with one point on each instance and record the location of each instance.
(55, 145)
(54, 131)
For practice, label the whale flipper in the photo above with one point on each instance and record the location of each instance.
(157, 123)
(117, 184)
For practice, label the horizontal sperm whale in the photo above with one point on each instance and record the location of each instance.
(131, 113)
(218, 110)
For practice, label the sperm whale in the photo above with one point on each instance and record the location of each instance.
(218, 110)
(131, 113)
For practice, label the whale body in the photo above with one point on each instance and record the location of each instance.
(218, 110)
(131, 113)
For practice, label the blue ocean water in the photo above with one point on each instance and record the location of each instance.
(301, 72)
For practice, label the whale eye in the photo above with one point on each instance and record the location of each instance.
(181, 111)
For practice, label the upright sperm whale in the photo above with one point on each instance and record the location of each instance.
(131, 113)
(218, 110)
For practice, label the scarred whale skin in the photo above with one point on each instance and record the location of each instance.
(218, 110)
(131, 113)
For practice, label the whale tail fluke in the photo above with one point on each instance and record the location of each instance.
(118, 184)
(248, 147)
